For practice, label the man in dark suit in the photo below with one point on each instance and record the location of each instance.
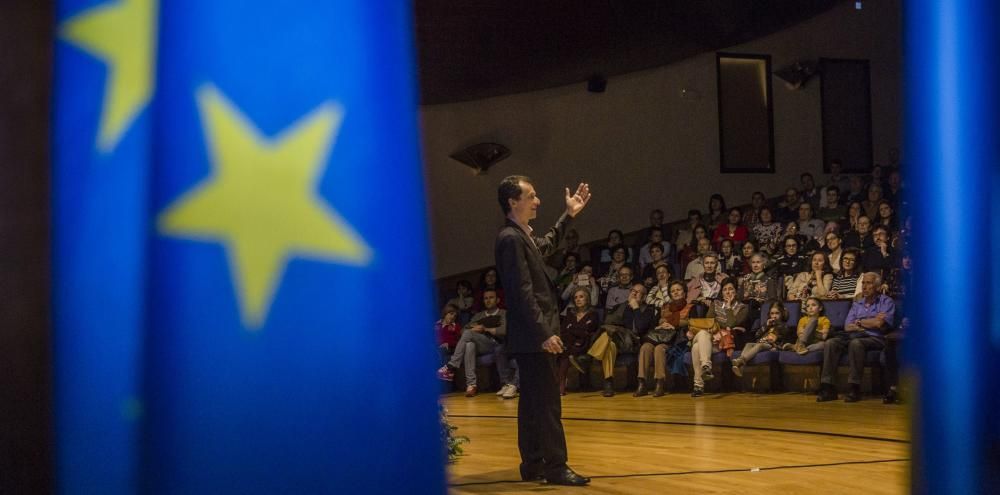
(533, 327)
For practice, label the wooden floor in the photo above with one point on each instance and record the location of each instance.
(719, 443)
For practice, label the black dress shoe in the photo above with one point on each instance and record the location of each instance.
(609, 389)
(641, 391)
(566, 477)
(697, 392)
(891, 397)
(531, 473)
(826, 394)
(660, 388)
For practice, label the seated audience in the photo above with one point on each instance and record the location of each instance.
(751, 216)
(730, 263)
(887, 216)
(879, 258)
(834, 250)
(856, 189)
(847, 282)
(811, 228)
(769, 337)
(656, 343)
(579, 326)
(619, 293)
(585, 280)
(660, 292)
(623, 327)
(731, 229)
(716, 210)
(868, 320)
(816, 282)
(768, 232)
(874, 197)
(615, 239)
(487, 281)
(837, 179)
(694, 267)
(447, 330)
(567, 272)
(809, 192)
(747, 251)
(657, 259)
(792, 230)
(609, 271)
(655, 239)
(706, 286)
(861, 237)
(813, 328)
(758, 286)
(788, 209)
(463, 300)
(685, 236)
(481, 336)
(570, 245)
(833, 211)
(729, 315)
(791, 262)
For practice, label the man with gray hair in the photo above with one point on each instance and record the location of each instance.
(868, 320)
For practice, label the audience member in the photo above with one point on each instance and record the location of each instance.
(816, 282)
(856, 189)
(834, 250)
(716, 210)
(659, 293)
(619, 293)
(656, 343)
(837, 179)
(480, 336)
(751, 216)
(609, 271)
(860, 238)
(488, 280)
(695, 267)
(832, 210)
(568, 271)
(813, 328)
(463, 300)
(747, 251)
(732, 229)
(879, 258)
(874, 197)
(809, 192)
(615, 239)
(655, 239)
(447, 330)
(579, 325)
(768, 338)
(729, 315)
(788, 209)
(585, 280)
(707, 285)
(730, 262)
(648, 275)
(846, 282)
(790, 262)
(768, 232)
(811, 228)
(685, 236)
(621, 331)
(868, 320)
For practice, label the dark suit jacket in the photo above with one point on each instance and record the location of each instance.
(531, 296)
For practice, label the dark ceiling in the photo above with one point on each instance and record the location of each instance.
(470, 49)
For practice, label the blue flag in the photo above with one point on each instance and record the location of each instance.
(280, 293)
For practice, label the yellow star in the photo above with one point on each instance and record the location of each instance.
(123, 35)
(261, 202)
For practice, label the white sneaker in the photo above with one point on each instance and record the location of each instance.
(511, 392)
(502, 390)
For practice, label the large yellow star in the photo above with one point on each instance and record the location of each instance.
(261, 202)
(122, 34)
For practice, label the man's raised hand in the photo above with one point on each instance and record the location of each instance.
(576, 201)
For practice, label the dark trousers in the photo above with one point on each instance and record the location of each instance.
(540, 436)
(892, 343)
(856, 349)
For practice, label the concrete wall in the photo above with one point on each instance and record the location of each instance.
(641, 145)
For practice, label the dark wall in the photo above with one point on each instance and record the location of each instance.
(25, 377)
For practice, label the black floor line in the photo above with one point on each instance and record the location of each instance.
(683, 473)
(711, 425)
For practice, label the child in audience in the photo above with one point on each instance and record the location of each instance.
(813, 328)
(768, 337)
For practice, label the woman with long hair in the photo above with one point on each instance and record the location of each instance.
(578, 326)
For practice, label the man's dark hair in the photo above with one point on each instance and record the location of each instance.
(510, 188)
(806, 174)
(834, 189)
(694, 212)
